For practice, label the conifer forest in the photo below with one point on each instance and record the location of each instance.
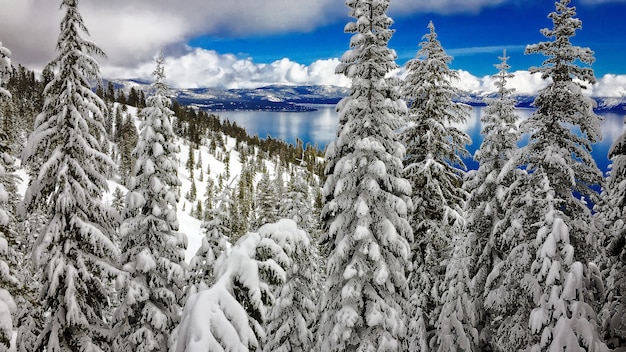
(382, 241)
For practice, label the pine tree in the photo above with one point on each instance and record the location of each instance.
(366, 198)
(434, 167)
(231, 314)
(127, 142)
(217, 233)
(614, 213)
(291, 319)
(209, 197)
(190, 164)
(153, 251)
(296, 204)
(487, 194)
(118, 199)
(553, 238)
(67, 167)
(266, 203)
(7, 252)
(456, 324)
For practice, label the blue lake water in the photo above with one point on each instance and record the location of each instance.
(319, 127)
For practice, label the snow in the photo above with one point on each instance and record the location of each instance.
(213, 319)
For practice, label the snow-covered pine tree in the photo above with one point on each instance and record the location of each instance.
(153, 251)
(366, 198)
(230, 315)
(296, 204)
(434, 167)
(456, 324)
(265, 202)
(217, 233)
(614, 213)
(291, 319)
(67, 167)
(7, 254)
(126, 144)
(487, 193)
(553, 237)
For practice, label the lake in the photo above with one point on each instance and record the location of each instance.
(319, 127)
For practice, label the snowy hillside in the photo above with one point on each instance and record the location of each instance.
(190, 225)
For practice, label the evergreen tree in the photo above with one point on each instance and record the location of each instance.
(296, 204)
(366, 198)
(7, 253)
(487, 194)
(118, 199)
(127, 142)
(266, 203)
(153, 251)
(67, 166)
(190, 164)
(614, 213)
(434, 167)
(457, 320)
(119, 121)
(217, 233)
(552, 239)
(230, 315)
(227, 165)
(243, 203)
(291, 319)
(209, 197)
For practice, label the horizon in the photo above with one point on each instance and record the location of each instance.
(231, 45)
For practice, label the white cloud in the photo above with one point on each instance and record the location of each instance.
(400, 7)
(132, 31)
(207, 68)
(610, 86)
(525, 83)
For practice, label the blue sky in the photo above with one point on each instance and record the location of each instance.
(475, 39)
(251, 43)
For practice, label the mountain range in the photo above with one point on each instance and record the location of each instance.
(291, 98)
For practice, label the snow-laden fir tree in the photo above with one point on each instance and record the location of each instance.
(215, 241)
(614, 213)
(296, 204)
(153, 251)
(7, 253)
(265, 202)
(456, 324)
(67, 167)
(366, 198)
(291, 319)
(434, 167)
(552, 234)
(487, 192)
(231, 314)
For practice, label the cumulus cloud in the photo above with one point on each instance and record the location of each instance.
(610, 86)
(132, 31)
(525, 83)
(207, 68)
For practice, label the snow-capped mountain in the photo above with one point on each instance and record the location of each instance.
(300, 98)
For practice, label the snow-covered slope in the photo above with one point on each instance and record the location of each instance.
(189, 225)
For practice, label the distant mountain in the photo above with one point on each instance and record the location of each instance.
(526, 101)
(303, 98)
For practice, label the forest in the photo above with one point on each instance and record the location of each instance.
(384, 241)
